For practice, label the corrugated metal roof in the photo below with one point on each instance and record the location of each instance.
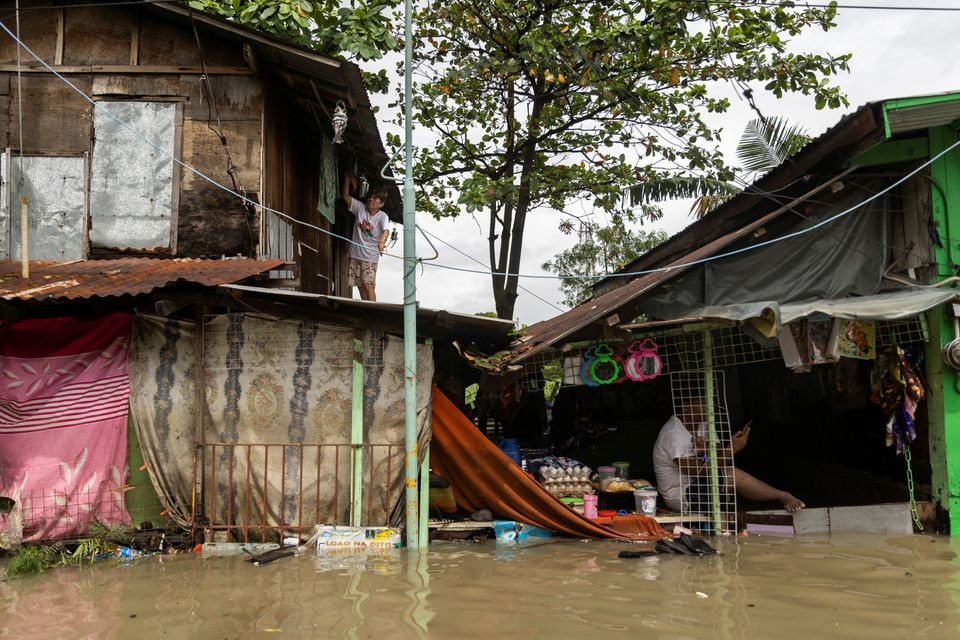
(84, 279)
(430, 322)
(906, 119)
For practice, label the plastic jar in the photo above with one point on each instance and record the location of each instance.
(607, 475)
(622, 470)
(589, 506)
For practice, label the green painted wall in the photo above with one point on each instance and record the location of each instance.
(944, 395)
(142, 502)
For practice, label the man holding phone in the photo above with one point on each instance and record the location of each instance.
(680, 460)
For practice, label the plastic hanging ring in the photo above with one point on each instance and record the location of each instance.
(604, 360)
(585, 366)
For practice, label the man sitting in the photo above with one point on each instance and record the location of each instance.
(681, 461)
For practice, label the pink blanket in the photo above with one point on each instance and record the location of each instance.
(64, 393)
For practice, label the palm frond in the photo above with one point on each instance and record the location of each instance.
(764, 145)
(705, 204)
(678, 188)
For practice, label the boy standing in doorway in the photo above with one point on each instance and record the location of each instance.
(369, 239)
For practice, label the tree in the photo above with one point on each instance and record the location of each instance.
(364, 29)
(764, 145)
(600, 251)
(535, 103)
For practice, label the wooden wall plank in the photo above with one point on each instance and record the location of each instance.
(98, 35)
(211, 223)
(38, 32)
(238, 97)
(136, 85)
(167, 43)
(55, 117)
(203, 151)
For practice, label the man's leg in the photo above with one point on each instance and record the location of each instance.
(368, 292)
(752, 488)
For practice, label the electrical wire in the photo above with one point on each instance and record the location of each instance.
(704, 260)
(467, 255)
(19, 107)
(733, 252)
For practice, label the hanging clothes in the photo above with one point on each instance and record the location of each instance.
(898, 390)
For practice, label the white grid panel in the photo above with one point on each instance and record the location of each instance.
(683, 351)
(701, 496)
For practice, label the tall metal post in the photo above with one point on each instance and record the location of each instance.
(410, 293)
(710, 406)
(356, 435)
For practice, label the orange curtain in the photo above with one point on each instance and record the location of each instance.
(483, 477)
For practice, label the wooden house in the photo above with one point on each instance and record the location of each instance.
(153, 130)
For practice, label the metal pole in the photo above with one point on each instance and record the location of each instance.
(410, 293)
(356, 436)
(711, 431)
(24, 237)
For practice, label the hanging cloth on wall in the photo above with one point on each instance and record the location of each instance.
(63, 422)
(329, 189)
(898, 389)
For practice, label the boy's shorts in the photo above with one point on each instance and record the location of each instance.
(361, 272)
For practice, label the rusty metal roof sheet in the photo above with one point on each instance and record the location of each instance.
(84, 279)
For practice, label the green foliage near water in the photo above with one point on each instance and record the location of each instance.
(31, 560)
(36, 559)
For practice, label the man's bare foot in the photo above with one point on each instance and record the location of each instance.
(790, 503)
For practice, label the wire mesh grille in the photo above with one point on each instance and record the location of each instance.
(706, 472)
(903, 331)
(684, 351)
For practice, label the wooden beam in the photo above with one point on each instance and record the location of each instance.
(123, 68)
(135, 43)
(58, 54)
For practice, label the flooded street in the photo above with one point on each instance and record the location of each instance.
(838, 586)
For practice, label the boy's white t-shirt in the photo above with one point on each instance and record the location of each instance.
(366, 232)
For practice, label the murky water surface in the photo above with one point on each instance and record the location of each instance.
(841, 586)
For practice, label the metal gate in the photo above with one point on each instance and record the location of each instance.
(263, 492)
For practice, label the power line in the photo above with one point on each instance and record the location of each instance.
(704, 260)
(806, 5)
(734, 252)
(467, 255)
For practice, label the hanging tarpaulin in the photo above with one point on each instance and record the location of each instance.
(770, 316)
(64, 392)
(275, 430)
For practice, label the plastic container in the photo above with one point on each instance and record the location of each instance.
(511, 447)
(221, 549)
(607, 475)
(589, 506)
(646, 499)
(622, 470)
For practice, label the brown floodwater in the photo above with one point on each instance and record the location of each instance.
(814, 587)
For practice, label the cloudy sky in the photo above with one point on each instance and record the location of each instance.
(895, 54)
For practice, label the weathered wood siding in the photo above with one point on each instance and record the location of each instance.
(120, 54)
(293, 186)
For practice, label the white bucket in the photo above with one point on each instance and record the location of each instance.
(646, 499)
